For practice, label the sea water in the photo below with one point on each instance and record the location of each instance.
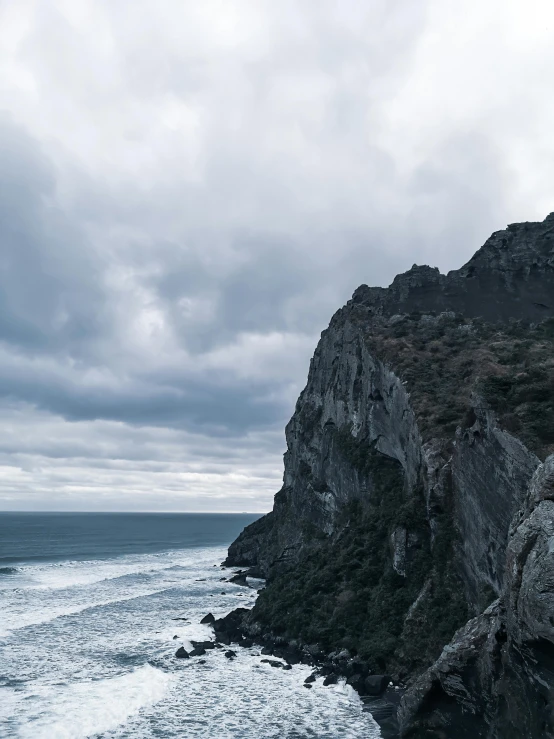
(92, 610)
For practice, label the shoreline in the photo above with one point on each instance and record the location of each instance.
(377, 693)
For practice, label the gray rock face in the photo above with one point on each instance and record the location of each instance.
(495, 678)
(490, 473)
(347, 388)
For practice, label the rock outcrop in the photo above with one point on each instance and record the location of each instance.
(414, 498)
(495, 679)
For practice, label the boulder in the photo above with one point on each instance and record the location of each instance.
(230, 628)
(327, 669)
(209, 618)
(182, 653)
(357, 682)
(197, 652)
(375, 685)
(203, 644)
(230, 654)
(238, 579)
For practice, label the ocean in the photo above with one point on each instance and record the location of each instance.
(92, 609)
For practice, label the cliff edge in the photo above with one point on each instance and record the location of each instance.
(413, 530)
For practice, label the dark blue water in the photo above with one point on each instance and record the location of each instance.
(92, 610)
(52, 537)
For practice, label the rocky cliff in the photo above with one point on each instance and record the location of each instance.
(413, 498)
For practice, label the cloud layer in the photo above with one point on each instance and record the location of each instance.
(188, 191)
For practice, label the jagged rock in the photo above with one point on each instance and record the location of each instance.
(512, 275)
(311, 678)
(231, 627)
(331, 679)
(182, 653)
(209, 618)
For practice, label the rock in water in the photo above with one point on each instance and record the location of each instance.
(414, 516)
(209, 618)
(203, 644)
(182, 653)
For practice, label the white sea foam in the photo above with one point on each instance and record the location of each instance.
(58, 575)
(248, 699)
(108, 670)
(87, 709)
(21, 617)
(50, 591)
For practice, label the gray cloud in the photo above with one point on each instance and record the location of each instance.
(188, 191)
(50, 288)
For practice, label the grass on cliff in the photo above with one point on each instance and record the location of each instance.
(345, 592)
(446, 358)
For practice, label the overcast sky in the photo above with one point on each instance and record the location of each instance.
(190, 188)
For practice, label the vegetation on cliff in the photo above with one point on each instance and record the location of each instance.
(345, 591)
(445, 359)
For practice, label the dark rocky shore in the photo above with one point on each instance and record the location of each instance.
(380, 697)
(413, 537)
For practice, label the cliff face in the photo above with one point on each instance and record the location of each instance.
(428, 408)
(495, 679)
(347, 389)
